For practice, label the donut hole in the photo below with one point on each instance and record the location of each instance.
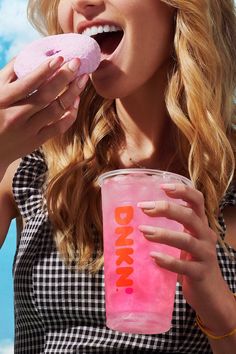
(52, 52)
(108, 41)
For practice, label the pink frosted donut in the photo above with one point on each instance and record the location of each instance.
(69, 46)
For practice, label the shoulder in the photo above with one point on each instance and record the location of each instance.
(29, 184)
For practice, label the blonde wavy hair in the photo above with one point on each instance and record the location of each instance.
(201, 105)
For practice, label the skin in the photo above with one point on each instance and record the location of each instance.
(139, 70)
(135, 78)
(27, 120)
(198, 270)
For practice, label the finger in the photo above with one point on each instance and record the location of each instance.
(57, 128)
(58, 107)
(21, 88)
(74, 90)
(191, 196)
(53, 87)
(183, 215)
(50, 131)
(46, 96)
(7, 74)
(51, 114)
(180, 240)
(190, 269)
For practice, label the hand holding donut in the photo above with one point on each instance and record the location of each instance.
(29, 119)
(198, 267)
(33, 108)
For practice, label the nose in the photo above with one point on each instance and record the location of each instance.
(87, 6)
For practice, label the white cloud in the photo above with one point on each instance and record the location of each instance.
(6, 347)
(14, 26)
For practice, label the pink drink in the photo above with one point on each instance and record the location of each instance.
(139, 294)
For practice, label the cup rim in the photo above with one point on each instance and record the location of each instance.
(147, 171)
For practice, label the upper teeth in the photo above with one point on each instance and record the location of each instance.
(92, 31)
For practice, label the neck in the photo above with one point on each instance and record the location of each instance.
(147, 125)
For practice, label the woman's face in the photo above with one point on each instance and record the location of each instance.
(133, 55)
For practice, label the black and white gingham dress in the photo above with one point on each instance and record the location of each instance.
(61, 311)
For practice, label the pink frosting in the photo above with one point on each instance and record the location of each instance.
(69, 46)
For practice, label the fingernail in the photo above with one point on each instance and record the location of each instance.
(82, 81)
(168, 187)
(74, 65)
(150, 230)
(146, 205)
(156, 255)
(76, 103)
(56, 63)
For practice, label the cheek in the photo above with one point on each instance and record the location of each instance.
(147, 60)
(65, 16)
(155, 49)
(146, 53)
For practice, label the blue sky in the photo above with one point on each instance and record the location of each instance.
(15, 32)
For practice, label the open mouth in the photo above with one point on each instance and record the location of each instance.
(108, 41)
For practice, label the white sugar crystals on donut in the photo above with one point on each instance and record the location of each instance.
(68, 45)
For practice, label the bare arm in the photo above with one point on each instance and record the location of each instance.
(228, 345)
(8, 208)
(30, 114)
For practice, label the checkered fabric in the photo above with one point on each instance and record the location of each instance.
(60, 310)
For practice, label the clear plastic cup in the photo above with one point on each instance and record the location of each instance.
(139, 295)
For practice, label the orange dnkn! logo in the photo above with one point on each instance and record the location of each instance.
(124, 250)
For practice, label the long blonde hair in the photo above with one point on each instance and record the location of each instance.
(200, 102)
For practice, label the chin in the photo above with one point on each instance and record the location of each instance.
(108, 95)
(109, 90)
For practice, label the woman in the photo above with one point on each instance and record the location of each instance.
(162, 98)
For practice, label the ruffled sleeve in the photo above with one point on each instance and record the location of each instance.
(229, 199)
(28, 184)
(227, 254)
